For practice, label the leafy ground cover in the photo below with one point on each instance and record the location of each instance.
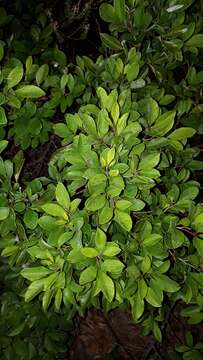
(101, 214)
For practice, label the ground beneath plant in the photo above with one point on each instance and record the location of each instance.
(100, 336)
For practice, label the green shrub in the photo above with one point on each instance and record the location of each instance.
(116, 223)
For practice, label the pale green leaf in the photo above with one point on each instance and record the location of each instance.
(152, 240)
(89, 252)
(153, 297)
(182, 133)
(88, 275)
(55, 210)
(4, 212)
(105, 215)
(29, 91)
(42, 73)
(62, 196)
(35, 273)
(123, 204)
(14, 77)
(34, 289)
(111, 249)
(94, 203)
(3, 118)
(100, 240)
(163, 124)
(123, 219)
(113, 266)
(107, 286)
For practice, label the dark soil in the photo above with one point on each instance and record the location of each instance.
(114, 336)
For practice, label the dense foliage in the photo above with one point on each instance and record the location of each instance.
(117, 221)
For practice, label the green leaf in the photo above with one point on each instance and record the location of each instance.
(123, 204)
(107, 286)
(3, 119)
(88, 275)
(196, 319)
(152, 240)
(196, 41)
(1, 51)
(62, 196)
(119, 7)
(190, 310)
(55, 210)
(163, 124)
(123, 219)
(58, 299)
(74, 205)
(68, 297)
(14, 77)
(17, 330)
(46, 299)
(39, 253)
(100, 240)
(107, 156)
(198, 223)
(89, 252)
(94, 203)
(64, 81)
(157, 332)
(137, 205)
(182, 134)
(29, 91)
(149, 161)
(174, 8)
(137, 84)
(34, 289)
(97, 184)
(112, 266)
(9, 250)
(167, 99)
(198, 243)
(146, 264)
(50, 280)
(167, 284)
(121, 124)
(132, 70)
(102, 95)
(115, 112)
(105, 215)
(4, 212)
(28, 64)
(111, 100)
(153, 297)
(42, 74)
(142, 288)
(30, 219)
(55, 56)
(111, 249)
(3, 145)
(110, 42)
(60, 57)
(137, 307)
(103, 123)
(149, 108)
(116, 185)
(107, 13)
(35, 273)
